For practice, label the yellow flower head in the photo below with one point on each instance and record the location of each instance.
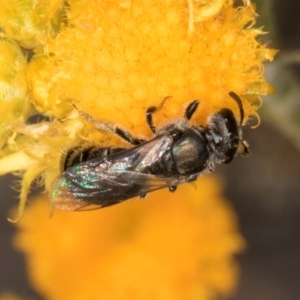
(114, 59)
(30, 21)
(178, 247)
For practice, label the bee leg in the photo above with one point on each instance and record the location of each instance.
(152, 110)
(172, 188)
(191, 108)
(125, 135)
(143, 196)
(149, 118)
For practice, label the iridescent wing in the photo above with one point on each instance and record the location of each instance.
(121, 176)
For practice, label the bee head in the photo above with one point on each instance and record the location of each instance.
(225, 134)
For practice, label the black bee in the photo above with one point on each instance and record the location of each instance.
(178, 153)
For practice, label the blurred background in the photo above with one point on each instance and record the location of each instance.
(264, 188)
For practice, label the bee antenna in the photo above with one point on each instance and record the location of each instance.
(238, 100)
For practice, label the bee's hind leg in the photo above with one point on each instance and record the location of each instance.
(124, 134)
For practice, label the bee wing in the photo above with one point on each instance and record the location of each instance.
(99, 183)
(126, 185)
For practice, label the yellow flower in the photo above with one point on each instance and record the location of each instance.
(177, 246)
(114, 59)
(30, 21)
